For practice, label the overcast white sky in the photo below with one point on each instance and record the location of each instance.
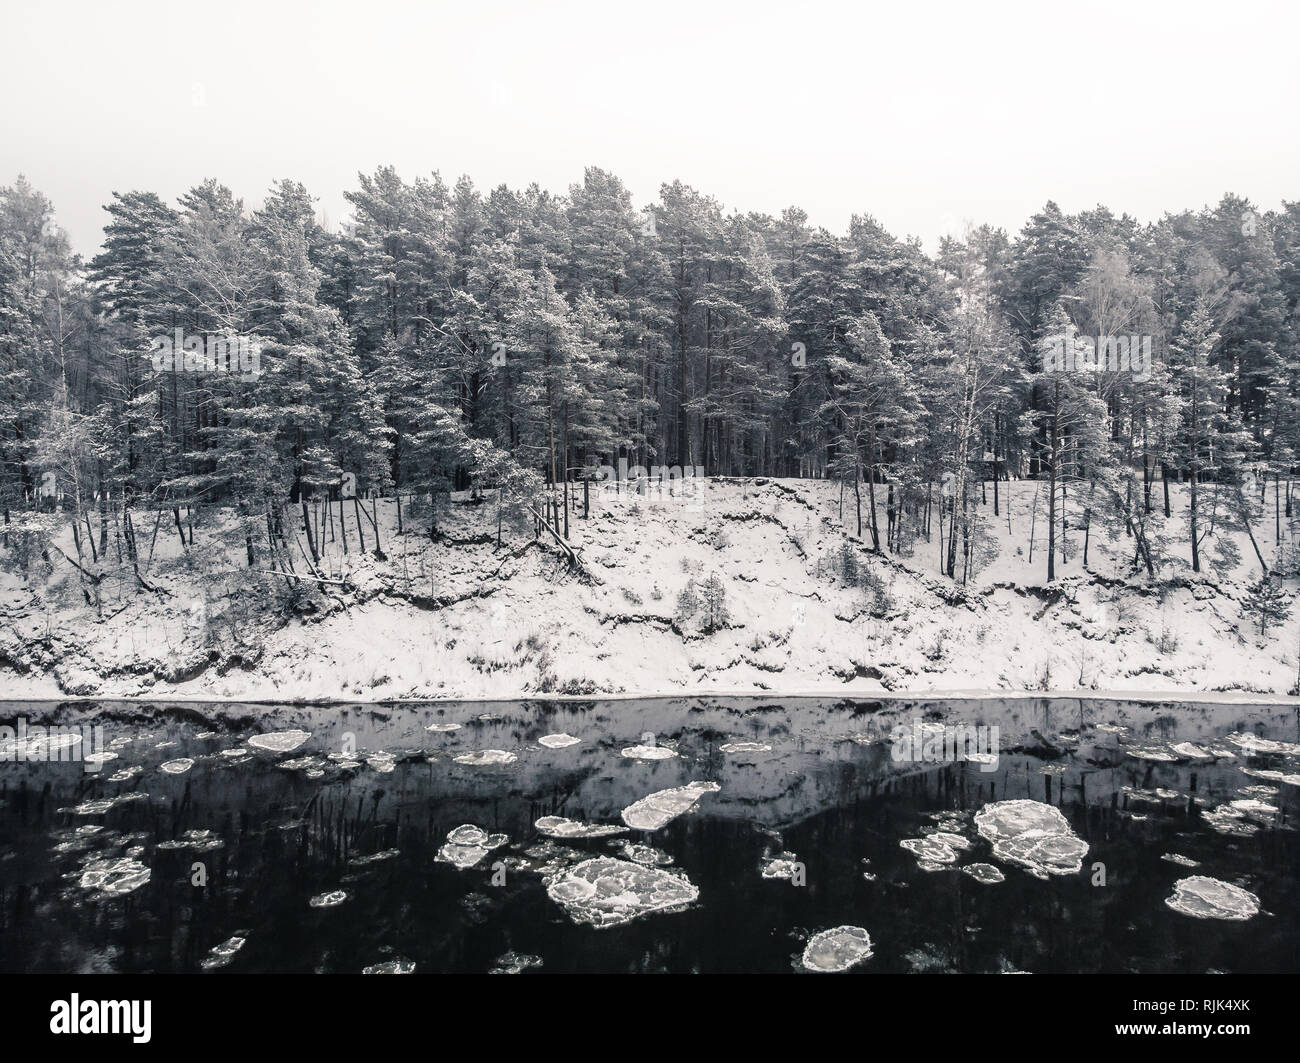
(923, 115)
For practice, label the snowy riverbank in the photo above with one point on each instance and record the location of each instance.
(781, 601)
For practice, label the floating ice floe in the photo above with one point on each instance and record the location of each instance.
(443, 728)
(783, 866)
(332, 899)
(201, 841)
(664, 806)
(837, 949)
(606, 891)
(482, 757)
(930, 850)
(1152, 753)
(101, 805)
(1191, 751)
(383, 763)
(1253, 745)
(1203, 897)
(559, 827)
(647, 753)
(1254, 808)
(373, 858)
(98, 760)
(1227, 820)
(279, 741)
(390, 967)
(177, 767)
(558, 741)
(467, 845)
(300, 763)
(644, 854)
(115, 877)
(745, 747)
(956, 841)
(1180, 860)
(985, 873)
(123, 774)
(514, 963)
(1032, 834)
(223, 953)
(206, 734)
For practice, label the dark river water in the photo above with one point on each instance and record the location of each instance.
(236, 861)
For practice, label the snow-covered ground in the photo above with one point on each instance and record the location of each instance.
(471, 620)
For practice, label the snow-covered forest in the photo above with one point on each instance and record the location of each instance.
(252, 394)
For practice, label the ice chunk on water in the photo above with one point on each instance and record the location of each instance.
(1034, 835)
(123, 774)
(559, 827)
(306, 763)
(1052, 854)
(373, 858)
(467, 845)
(1009, 819)
(1253, 745)
(115, 877)
(223, 953)
(955, 841)
(1153, 753)
(1228, 820)
(985, 873)
(201, 841)
(1180, 860)
(745, 747)
(177, 767)
(1203, 897)
(837, 949)
(443, 728)
(332, 899)
(606, 891)
(102, 804)
(663, 806)
(514, 963)
(279, 741)
(558, 741)
(783, 865)
(647, 753)
(382, 762)
(930, 850)
(486, 756)
(644, 854)
(1253, 808)
(390, 967)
